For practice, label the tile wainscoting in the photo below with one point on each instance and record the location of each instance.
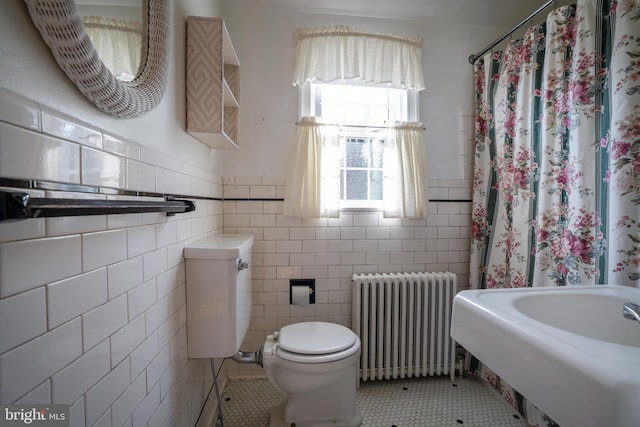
(332, 250)
(92, 308)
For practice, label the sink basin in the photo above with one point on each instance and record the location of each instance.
(568, 350)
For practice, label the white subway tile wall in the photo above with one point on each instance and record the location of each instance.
(92, 309)
(332, 250)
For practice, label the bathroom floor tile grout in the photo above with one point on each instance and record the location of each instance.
(414, 402)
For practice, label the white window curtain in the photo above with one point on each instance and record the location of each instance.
(340, 53)
(117, 42)
(405, 179)
(329, 54)
(313, 182)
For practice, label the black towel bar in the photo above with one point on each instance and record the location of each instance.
(17, 205)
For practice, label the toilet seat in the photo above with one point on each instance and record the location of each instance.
(316, 342)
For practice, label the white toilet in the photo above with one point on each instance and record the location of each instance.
(313, 363)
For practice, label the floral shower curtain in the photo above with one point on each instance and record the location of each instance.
(557, 152)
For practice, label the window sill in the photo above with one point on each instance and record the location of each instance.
(360, 209)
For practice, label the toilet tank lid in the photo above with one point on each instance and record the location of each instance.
(315, 338)
(220, 246)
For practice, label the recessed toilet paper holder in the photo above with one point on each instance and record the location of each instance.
(302, 291)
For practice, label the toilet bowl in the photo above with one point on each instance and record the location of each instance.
(315, 365)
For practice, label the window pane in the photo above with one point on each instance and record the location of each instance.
(355, 115)
(330, 93)
(351, 93)
(377, 153)
(362, 149)
(379, 96)
(398, 110)
(378, 116)
(357, 153)
(376, 185)
(332, 113)
(356, 185)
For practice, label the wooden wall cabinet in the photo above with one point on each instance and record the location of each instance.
(213, 83)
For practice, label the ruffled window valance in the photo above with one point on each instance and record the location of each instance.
(328, 54)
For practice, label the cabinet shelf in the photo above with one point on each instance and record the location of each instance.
(213, 83)
(229, 99)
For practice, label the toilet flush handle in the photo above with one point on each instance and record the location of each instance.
(243, 264)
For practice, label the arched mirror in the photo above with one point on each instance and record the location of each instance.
(62, 28)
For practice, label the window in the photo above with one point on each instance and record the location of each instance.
(361, 168)
(363, 114)
(347, 133)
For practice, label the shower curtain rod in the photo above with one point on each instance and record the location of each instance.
(473, 58)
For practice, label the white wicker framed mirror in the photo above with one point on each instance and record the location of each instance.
(62, 29)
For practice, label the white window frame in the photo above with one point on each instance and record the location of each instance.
(363, 133)
(307, 101)
(308, 105)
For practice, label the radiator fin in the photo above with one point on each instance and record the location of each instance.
(403, 321)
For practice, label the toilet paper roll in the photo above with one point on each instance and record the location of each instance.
(299, 295)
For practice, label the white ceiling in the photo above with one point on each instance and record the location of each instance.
(500, 13)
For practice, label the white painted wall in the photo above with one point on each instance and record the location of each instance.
(28, 68)
(269, 103)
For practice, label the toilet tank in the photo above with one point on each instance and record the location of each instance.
(218, 294)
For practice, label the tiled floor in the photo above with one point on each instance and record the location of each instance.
(419, 402)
